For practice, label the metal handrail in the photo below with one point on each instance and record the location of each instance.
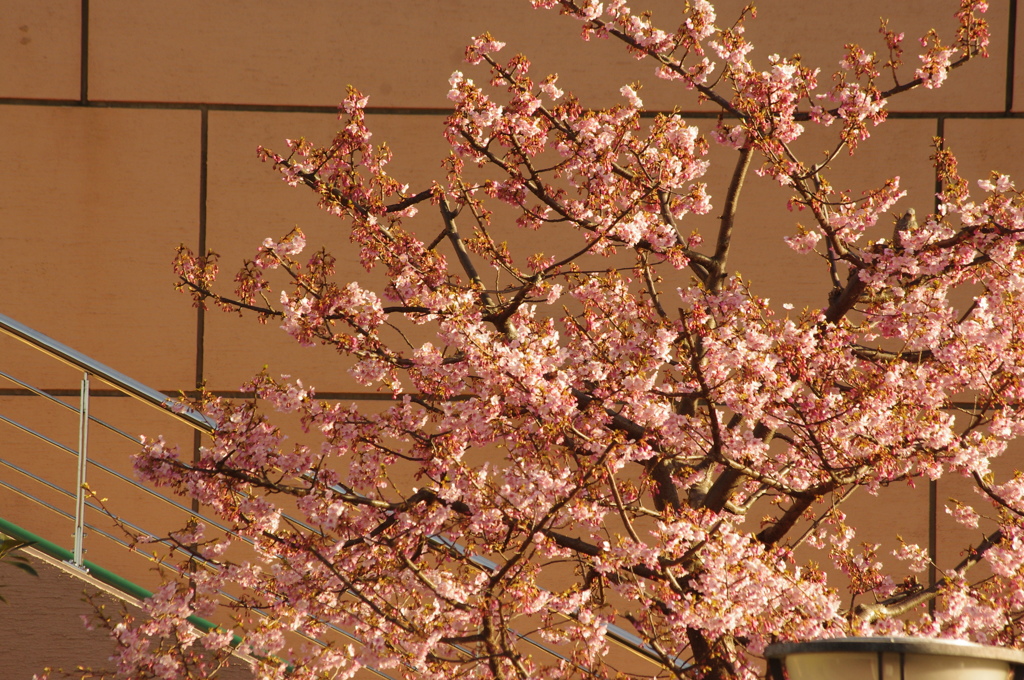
(115, 379)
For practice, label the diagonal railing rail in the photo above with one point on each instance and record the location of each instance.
(89, 368)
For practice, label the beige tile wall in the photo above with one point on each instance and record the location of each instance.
(96, 197)
(40, 49)
(109, 164)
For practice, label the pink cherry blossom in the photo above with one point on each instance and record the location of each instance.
(608, 429)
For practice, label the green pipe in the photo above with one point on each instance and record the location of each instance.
(99, 573)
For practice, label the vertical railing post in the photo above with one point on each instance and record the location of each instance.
(83, 461)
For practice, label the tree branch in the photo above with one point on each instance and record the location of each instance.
(880, 610)
(728, 219)
(464, 259)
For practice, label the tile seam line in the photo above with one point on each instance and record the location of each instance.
(407, 111)
(83, 84)
(1011, 55)
(933, 484)
(204, 155)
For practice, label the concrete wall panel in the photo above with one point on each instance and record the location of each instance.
(265, 53)
(986, 145)
(95, 202)
(40, 48)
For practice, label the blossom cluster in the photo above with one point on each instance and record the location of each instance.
(613, 435)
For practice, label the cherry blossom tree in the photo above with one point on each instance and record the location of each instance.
(617, 437)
